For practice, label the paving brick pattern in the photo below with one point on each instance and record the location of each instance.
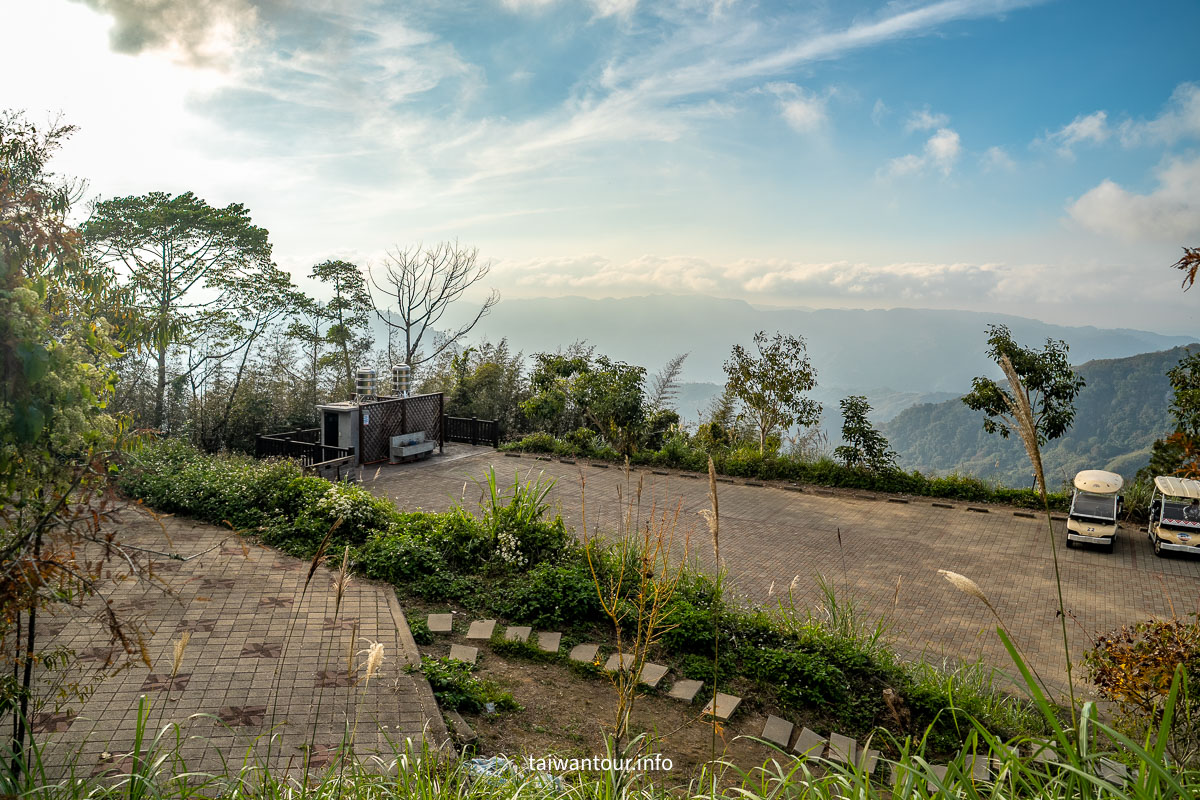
(769, 535)
(265, 667)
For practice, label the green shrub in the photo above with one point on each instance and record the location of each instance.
(419, 629)
(555, 595)
(799, 679)
(456, 688)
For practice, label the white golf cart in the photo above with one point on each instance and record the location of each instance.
(1095, 506)
(1174, 515)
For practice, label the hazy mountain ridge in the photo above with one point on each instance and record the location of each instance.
(1118, 415)
(908, 350)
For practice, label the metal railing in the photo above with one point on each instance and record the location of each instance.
(302, 445)
(473, 431)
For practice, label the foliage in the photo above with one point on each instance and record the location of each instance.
(1118, 414)
(348, 314)
(56, 434)
(578, 389)
(514, 519)
(1189, 264)
(770, 385)
(685, 452)
(202, 277)
(457, 689)
(865, 447)
(1038, 403)
(554, 595)
(484, 381)
(1134, 667)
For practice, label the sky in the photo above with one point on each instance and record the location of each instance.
(1034, 158)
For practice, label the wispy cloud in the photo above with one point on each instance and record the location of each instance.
(925, 120)
(1180, 120)
(803, 110)
(384, 82)
(1090, 128)
(1170, 213)
(997, 159)
(941, 153)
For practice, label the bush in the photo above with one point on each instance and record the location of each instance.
(799, 679)
(554, 596)
(456, 688)
(1134, 667)
(692, 453)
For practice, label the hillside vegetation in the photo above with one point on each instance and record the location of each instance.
(1119, 414)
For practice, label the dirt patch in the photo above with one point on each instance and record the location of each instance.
(567, 714)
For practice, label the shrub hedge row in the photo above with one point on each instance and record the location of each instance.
(749, 463)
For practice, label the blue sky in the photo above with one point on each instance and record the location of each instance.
(1038, 158)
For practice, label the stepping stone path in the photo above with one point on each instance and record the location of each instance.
(1113, 771)
(841, 748)
(461, 652)
(482, 629)
(809, 743)
(618, 661)
(549, 642)
(518, 633)
(685, 689)
(777, 730)
(652, 674)
(1043, 751)
(979, 768)
(441, 623)
(584, 653)
(722, 706)
(940, 772)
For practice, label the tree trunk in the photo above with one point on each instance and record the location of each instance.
(159, 405)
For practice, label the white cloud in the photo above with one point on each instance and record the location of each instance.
(1169, 213)
(804, 111)
(997, 159)
(1091, 128)
(1179, 120)
(925, 120)
(941, 153)
(879, 111)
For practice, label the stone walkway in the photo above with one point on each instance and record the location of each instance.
(887, 558)
(272, 673)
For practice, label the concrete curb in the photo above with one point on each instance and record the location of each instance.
(435, 726)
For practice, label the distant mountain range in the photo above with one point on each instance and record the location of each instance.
(1118, 415)
(898, 358)
(906, 350)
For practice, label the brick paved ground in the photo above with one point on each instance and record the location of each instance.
(269, 668)
(769, 535)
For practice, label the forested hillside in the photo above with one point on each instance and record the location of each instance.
(1120, 412)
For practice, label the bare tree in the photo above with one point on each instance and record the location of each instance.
(421, 283)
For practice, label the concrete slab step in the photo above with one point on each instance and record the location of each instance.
(481, 629)
(462, 652)
(518, 633)
(778, 730)
(722, 706)
(584, 653)
(685, 689)
(809, 743)
(440, 623)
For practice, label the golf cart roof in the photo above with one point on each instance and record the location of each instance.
(1098, 481)
(1178, 487)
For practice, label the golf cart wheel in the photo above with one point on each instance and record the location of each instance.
(1158, 550)
(1070, 543)
(1112, 545)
